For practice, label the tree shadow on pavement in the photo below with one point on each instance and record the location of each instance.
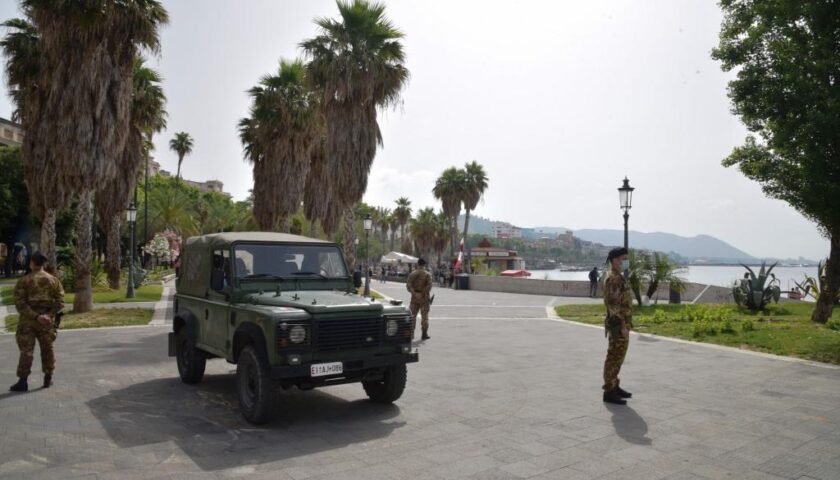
(204, 421)
(628, 424)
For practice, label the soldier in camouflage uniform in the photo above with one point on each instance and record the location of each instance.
(419, 283)
(38, 298)
(619, 320)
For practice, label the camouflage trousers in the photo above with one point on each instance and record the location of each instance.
(616, 351)
(28, 332)
(421, 307)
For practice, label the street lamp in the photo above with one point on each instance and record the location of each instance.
(625, 197)
(131, 216)
(368, 227)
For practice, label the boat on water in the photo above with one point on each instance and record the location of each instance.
(516, 273)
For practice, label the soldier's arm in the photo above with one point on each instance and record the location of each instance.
(613, 300)
(427, 285)
(22, 301)
(58, 297)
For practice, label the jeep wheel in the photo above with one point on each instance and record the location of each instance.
(390, 388)
(254, 387)
(191, 360)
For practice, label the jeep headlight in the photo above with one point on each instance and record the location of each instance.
(391, 328)
(297, 334)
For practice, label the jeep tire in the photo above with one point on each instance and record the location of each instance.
(254, 387)
(390, 388)
(191, 360)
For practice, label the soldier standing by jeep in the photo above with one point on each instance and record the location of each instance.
(38, 298)
(419, 284)
(618, 299)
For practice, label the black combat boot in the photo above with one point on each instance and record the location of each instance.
(48, 380)
(613, 397)
(425, 336)
(623, 393)
(20, 386)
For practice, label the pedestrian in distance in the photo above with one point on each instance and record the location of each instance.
(593, 282)
(617, 324)
(39, 297)
(419, 284)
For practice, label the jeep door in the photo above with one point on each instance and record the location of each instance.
(217, 305)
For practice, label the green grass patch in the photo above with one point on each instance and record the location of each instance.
(106, 317)
(784, 329)
(146, 293)
(373, 293)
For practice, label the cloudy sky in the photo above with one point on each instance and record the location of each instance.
(559, 100)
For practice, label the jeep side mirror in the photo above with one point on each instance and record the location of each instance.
(217, 280)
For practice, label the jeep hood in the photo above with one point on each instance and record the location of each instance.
(315, 301)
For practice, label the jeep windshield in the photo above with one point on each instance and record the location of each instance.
(279, 262)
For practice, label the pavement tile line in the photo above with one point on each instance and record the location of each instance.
(552, 315)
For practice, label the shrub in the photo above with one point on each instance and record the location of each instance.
(703, 327)
(747, 326)
(833, 324)
(726, 325)
(659, 317)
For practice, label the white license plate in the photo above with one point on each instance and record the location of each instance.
(322, 369)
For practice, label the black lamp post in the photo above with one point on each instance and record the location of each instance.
(131, 216)
(625, 197)
(368, 228)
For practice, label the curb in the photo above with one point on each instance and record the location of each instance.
(552, 315)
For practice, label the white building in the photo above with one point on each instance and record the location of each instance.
(506, 230)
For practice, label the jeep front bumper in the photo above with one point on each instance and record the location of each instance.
(353, 369)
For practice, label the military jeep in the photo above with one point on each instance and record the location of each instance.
(284, 309)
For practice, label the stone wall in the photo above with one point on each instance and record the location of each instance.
(569, 288)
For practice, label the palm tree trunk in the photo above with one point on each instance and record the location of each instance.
(467, 266)
(180, 159)
(349, 238)
(112, 253)
(828, 296)
(48, 237)
(393, 239)
(453, 235)
(284, 224)
(313, 230)
(83, 301)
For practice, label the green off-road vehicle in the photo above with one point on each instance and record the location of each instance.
(285, 310)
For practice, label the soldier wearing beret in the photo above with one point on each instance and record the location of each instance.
(619, 320)
(38, 298)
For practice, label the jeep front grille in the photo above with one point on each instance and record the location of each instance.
(348, 333)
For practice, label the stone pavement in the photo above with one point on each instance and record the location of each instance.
(501, 392)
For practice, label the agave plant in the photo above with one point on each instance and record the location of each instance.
(754, 291)
(816, 286)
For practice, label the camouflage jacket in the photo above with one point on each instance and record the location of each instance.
(38, 293)
(419, 283)
(619, 301)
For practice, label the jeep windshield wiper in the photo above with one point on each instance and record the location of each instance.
(261, 276)
(312, 273)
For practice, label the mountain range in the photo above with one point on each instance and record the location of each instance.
(697, 249)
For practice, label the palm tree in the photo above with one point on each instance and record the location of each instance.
(278, 138)
(449, 189)
(423, 229)
(442, 234)
(147, 117)
(24, 62)
(403, 214)
(393, 225)
(170, 209)
(475, 183)
(357, 64)
(384, 216)
(88, 51)
(182, 144)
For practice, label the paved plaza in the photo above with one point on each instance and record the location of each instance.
(501, 391)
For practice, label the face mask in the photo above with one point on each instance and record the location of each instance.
(625, 265)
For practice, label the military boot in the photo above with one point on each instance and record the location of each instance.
(613, 397)
(20, 386)
(623, 393)
(425, 335)
(48, 380)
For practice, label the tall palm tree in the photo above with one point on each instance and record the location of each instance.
(182, 144)
(24, 63)
(278, 138)
(442, 234)
(384, 215)
(423, 228)
(475, 183)
(393, 226)
(88, 50)
(170, 209)
(357, 64)
(147, 117)
(449, 189)
(403, 214)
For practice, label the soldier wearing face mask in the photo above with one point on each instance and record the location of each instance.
(619, 320)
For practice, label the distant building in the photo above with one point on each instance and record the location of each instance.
(567, 238)
(506, 230)
(208, 186)
(499, 259)
(11, 133)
